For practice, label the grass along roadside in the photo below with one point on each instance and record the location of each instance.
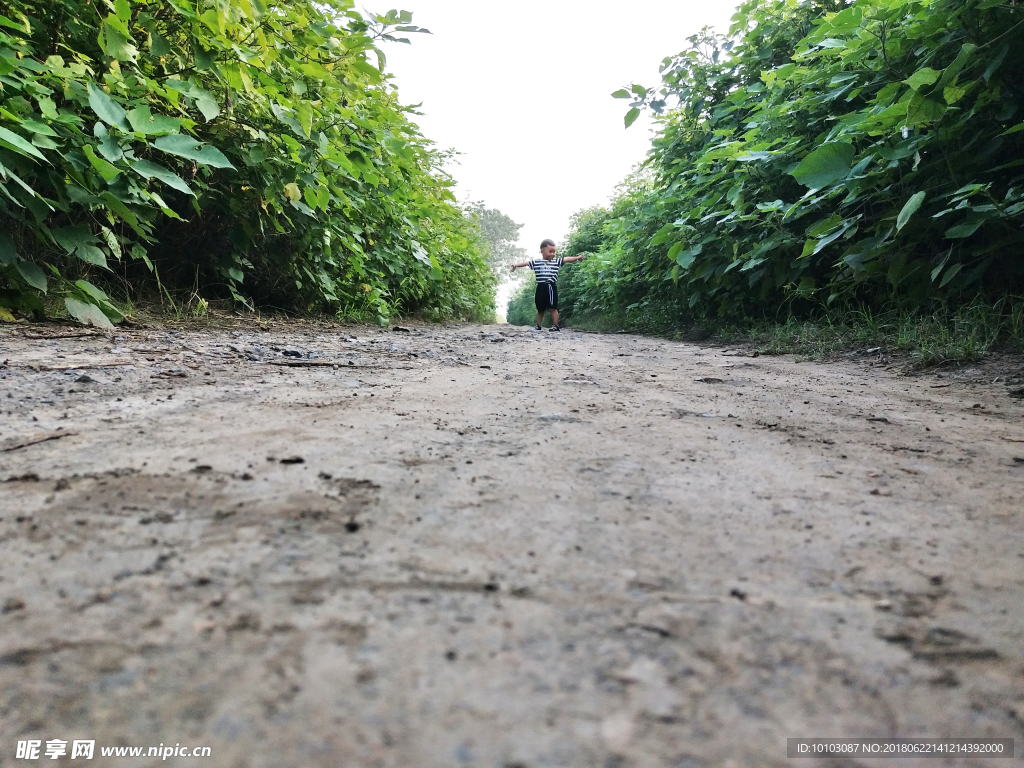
(938, 336)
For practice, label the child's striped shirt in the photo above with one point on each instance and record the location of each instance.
(546, 270)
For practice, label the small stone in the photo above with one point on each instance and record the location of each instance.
(617, 732)
(12, 604)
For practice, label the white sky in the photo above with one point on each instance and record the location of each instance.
(522, 91)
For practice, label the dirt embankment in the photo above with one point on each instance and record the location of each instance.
(485, 546)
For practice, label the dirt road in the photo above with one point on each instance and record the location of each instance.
(485, 546)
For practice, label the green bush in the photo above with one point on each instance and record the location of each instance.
(822, 154)
(257, 151)
(521, 309)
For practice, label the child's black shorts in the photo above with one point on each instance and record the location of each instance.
(546, 296)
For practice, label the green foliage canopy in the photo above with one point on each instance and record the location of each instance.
(825, 150)
(501, 234)
(261, 145)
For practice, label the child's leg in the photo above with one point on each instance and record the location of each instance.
(540, 317)
(554, 316)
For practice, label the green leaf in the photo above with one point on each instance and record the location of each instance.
(167, 211)
(204, 58)
(105, 169)
(622, 93)
(148, 170)
(940, 267)
(951, 94)
(122, 210)
(110, 149)
(113, 244)
(70, 238)
(826, 164)
(909, 209)
(922, 110)
(208, 106)
(826, 241)
(961, 231)
(304, 112)
(32, 274)
(309, 193)
(185, 146)
(36, 127)
(950, 274)
(106, 109)
(288, 119)
(300, 206)
(158, 45)
(86, 313)
(662, 234)
(996, 61)
(44, 142)
(631, 116)
(924, 76)
(686, 258)
(47, 108)
(825, 226)
(90, 254)
(138, 252)
(885, 96)
(20, 145)
(845, 21)
(144, 121)
(23, 27)
(8, 254)
(949, 73)
(115, 40)
(101, 300)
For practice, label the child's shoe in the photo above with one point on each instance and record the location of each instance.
(537, 328)
(555, 328)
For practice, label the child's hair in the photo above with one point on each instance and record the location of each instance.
(546, 243)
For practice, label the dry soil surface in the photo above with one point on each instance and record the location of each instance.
(310, 546)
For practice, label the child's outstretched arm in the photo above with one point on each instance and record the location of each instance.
(520, 264)
(574, 258)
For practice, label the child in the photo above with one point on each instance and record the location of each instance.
(546, 270)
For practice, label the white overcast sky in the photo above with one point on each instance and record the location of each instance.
(522, 91)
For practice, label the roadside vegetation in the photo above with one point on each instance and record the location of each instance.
(827, 174)
(206, 150)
